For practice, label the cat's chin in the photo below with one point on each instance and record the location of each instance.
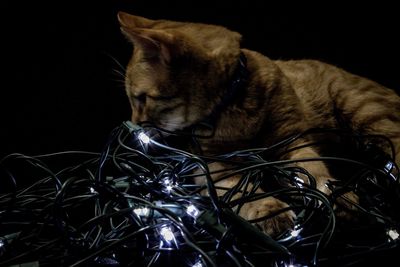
(173, 128)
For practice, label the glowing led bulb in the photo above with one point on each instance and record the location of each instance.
(92, 190)
(388, 166)
(144, 212)
(197, 264)
(294, 265)
(143, 138)
(168, 184)
(169, 188)
(299, 181)
(2, 244)
(393, 234)
(391, 170)
(166, 181)
(167, 233)
(295, 233)
(192, 211)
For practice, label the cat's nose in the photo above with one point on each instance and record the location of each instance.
(139, 102)
(138, 117)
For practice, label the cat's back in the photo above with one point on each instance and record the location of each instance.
(311, 76)
(313, 82)
(324, 89)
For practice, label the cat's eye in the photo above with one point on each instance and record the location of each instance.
(141, 98)
(162, 97)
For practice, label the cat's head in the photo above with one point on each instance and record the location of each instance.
(178, 71)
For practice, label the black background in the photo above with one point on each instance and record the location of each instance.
(59, 90)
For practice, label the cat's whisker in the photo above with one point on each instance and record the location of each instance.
(119, 73)
(117, 62)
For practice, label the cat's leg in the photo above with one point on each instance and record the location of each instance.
(320, 172)
(315, 167)
(278, 222)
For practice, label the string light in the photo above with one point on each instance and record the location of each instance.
(388, 166)
(142, 212)
(145, 139)
(167, 234)
(192, 211)
(289, 263)
(169, 188)
(295, 265)
(150, 210)
(393, 234)
(296, 231)
(168, 184)
(390, 169)
(198, 264)
(299, 181)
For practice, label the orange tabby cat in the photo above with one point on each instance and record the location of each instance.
(180, 74)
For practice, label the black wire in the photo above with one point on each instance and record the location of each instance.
(110, 186)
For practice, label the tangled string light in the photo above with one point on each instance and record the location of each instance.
(136, 204)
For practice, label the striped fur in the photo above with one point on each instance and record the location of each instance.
(179, 72)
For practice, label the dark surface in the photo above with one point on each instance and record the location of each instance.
(59, 91)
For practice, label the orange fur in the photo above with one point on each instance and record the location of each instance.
(179, 72)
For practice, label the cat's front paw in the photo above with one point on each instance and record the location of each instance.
(270, 206)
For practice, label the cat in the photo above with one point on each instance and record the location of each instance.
(182, 73)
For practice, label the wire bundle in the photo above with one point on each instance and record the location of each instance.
(137, 204)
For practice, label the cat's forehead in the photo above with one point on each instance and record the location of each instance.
(142, 84)
(144, 78)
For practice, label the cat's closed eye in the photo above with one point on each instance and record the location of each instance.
(142, 97)
(162, 97)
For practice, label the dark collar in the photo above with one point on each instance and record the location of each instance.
(239, 81)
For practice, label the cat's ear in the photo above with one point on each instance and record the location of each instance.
(153, 43)
(131, 21)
